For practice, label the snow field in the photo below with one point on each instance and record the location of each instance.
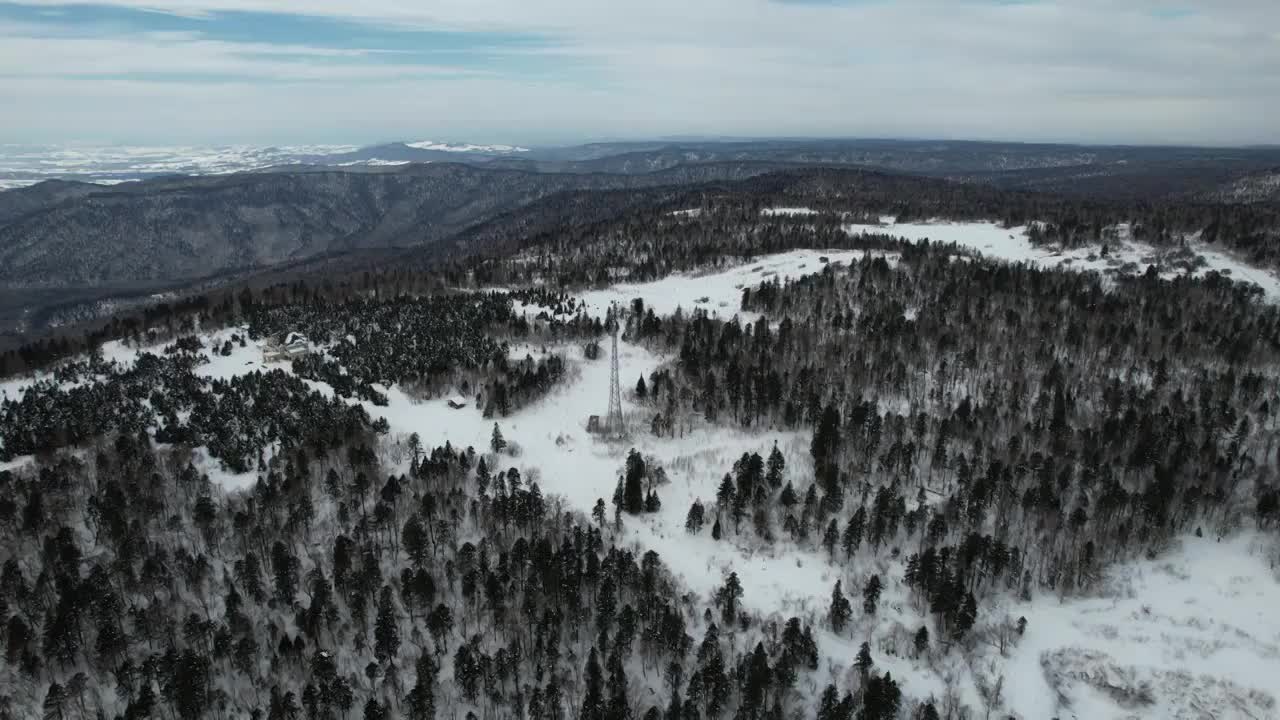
(1013, 245)
(720, 292)
(1202, 617)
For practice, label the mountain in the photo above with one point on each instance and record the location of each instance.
(25, 165)
(1147, 172)
(188, 228)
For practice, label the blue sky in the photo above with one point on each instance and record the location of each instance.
(550, 71)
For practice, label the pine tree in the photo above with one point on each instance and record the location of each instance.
(871, 595)
(497, 443)
(694, 520)
(651, 502)
(853, 532)
(775, 467)
(882, 698)
(864, 661)
(386, 629)
(759, 678)
(593, 700)
(727, 598)
(967, 616)
(922, 640)
(285, 568)
(829, 704)
(374, 710)
(415, 541)
(841, 610)
(633, 493)
(830, 538)
(54, 700)
(618, 707)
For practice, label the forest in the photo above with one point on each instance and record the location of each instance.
(985, 429)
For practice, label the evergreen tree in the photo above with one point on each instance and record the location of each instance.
(841, 610)
(593, 700)
(54, 700)
(864, 661)
(386, 629)
(727, 598)
(496, 442)
(853, 531)
(830, 538)
(829, 704)
(922, 640)
(633, 492)
(871, 595)
(967, 616)
(618, 707)
(694, 520)
(776, 465)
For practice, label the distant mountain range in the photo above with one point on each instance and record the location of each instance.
(95, 226)
(1147, 172)
(22, 165)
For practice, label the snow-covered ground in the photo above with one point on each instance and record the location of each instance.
(1194, 633)
(783, 211)
(465, 147)
(12, 388)
(720, 292)
(22, 165)
(1012, 244)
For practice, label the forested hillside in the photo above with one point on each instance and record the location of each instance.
(934, 450)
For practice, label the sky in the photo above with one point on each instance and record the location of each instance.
(562, 71)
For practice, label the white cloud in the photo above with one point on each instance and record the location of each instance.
(1087, 70)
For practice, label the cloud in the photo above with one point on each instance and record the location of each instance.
(558, 70)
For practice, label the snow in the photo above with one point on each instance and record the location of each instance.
(12, 388)
(1207, 608)
(15, 463)
(771, 212)
(1222, 262)
(374, 162)
(465, 147)
(720, 292)
(22, 165)
(1013, 245)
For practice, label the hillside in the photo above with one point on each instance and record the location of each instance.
(190, 228)
(860, 474)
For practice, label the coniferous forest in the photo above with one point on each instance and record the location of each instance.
(976, 434)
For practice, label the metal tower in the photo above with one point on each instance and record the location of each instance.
(613, 424)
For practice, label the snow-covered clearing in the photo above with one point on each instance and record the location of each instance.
(1193, 633)
(720, 292)
(773, 212)
(1013, 245)
(13, 388)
